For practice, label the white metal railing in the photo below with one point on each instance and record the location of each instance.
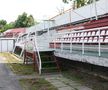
(75, 15)
(35, 49)
(90, 36)
(39, 58)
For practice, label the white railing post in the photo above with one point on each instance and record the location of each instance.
(61, 46)
(95, 6)
(83, 44)
(15, 43)
(54, 45)
(71, 46)
(99, 48)
(48, 27)
(36, 48)
(7, 45)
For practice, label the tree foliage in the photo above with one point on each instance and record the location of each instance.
(79, 3)
(2, 23)
(6, 26)
(24, 21)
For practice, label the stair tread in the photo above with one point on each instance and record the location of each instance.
(51, 73)
(46, 56)
(50, 68)
(48, 62)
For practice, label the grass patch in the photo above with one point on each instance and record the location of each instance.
(36, 84)
(17, 66)
(22, 69)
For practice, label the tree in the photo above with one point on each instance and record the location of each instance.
(66, 1)
(76, 3)
(79, 3)
(24, 21)
(2, 23)
(8, 26)
(30, 21)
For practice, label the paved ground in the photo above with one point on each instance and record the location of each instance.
(63, 83)
(7, 80)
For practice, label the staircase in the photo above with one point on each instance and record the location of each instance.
(49, 63)
(36, 49)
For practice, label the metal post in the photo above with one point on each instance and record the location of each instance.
(44, 25)
(83, 44)
(99, 48)
(7, 45)
(94, 1)
(71, 46)
(70, 25)
(48, 27)
(54, 46)
(14, 46)
(61, 46)
(1, 45)
(106, 6)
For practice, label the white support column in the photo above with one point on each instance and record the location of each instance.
(99, 47)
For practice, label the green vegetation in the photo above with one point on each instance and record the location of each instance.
(36, 84)
(23, 20)
(79, 3)
(22, 69)
(4, 26)
(17, 66)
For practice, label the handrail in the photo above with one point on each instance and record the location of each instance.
(39, 58)
(69, 35)
(73, 31)
(15, 45)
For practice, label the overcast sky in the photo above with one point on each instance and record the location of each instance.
(40, 9)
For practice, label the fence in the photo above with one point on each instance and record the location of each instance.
(7, 44)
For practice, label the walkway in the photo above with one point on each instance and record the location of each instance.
(7, 80)
(63, 83)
